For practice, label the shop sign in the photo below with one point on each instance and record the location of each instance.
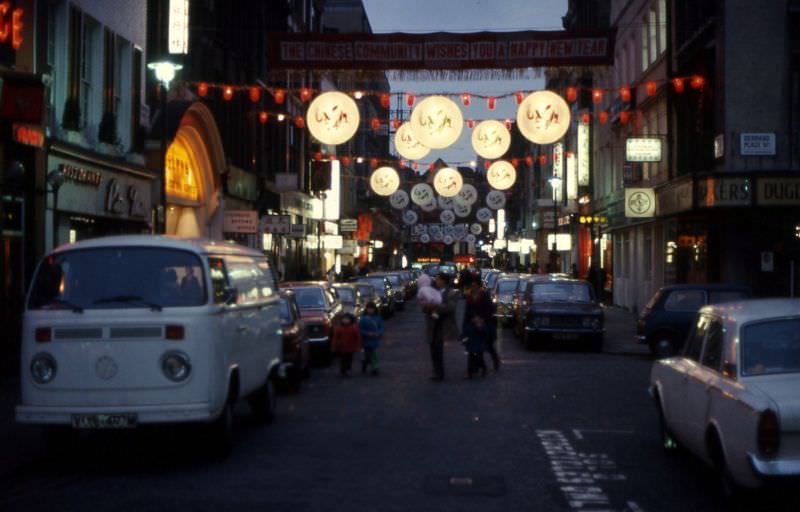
(778, 191)
(715, 192)
(348, 225)
(674, 198)
(583, 154)
(81, 175)
(278, 224)
(757, 144)
(240, 221)
(640, 202)
(297, 231)
(11, 25)
(300, 204)
(181, 182)
(178, 31)
(242, 184)
(643, 149)
(122, 201)
(28, 135)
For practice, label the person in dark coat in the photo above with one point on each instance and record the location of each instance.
(371, 327)
(440, 324)
(476, 338)
(346, 342)
(479, 305)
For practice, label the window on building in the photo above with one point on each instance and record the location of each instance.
(652, 25)
(662, 25)
(90, 34)
(645, 45)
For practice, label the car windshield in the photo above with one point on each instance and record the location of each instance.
(346, 295)
(379, 285)
(771, 347)
(561, 292)
(309, 297)
(119, 278)
(507, 286)
(365, 291)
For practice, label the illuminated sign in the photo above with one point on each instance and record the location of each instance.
(178, 26)
(583, 154)
(640, 202)
(240, 221)
(572, 178)
(643, 149)
(11, 25)
(181, 182)
(332, 196)
(563, 241)
(81, 175)
(28, 135)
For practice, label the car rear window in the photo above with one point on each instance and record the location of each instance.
(346, 295)
(720, 296)
(561, 292)
(311, 297)
(771, 347)
(685, 300)
(508, 285)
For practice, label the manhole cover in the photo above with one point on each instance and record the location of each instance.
(465, 485)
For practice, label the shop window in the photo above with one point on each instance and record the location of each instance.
(645, 45)
(652, 25)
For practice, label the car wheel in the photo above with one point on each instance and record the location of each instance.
(220, 432)
(668, 442)
(662, 345)
(262, 402)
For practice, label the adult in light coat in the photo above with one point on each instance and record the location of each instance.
(441, 324)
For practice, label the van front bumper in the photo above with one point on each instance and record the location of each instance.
(774, 468)
(173, 413)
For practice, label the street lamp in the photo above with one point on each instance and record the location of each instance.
(165, 73)
(55, 179)
(555, 183)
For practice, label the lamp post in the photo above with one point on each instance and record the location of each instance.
(555, 183)
(55, 179)
(165, 73)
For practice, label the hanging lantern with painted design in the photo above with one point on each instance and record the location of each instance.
(333, 118)
(543, 117)
(407, 144)
(501, 175)
(384, 181)
(572, 94)
(422, 194)
(447, 182)
(491, 139)
(437, 122)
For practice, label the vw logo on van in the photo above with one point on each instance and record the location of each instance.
(106, 368)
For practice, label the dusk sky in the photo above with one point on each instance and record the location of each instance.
(420, 16)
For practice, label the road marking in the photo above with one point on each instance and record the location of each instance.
(580, 474)
(578, 432)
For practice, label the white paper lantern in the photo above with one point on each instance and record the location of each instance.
(435, 230)
(422, 193)
(470, 239)
(462, 210)
(476, 229)
(491, 139)
(447, 182)
(495, 199)
(449, 229)
(333, 118)
(410, 217)
(484, 215)
(543, 117)
(384, 181)
(447, 216)
(407, 144)
(467, 195)
(446, 203)
(501, 175)
(425, 238)
(437, 122)
(399, 199)
(448, 239)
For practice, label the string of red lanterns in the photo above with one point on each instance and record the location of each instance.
(346, 160)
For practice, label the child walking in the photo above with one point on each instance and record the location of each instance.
(371, 327)
(346, 342)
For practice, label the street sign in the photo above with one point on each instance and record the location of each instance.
(240, 221)
(757, 144)
(348, 225)
(278, 224)
(297, 231)
(643, 149)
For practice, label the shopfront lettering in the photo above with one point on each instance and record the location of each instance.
(776, 192)
(714, 192)
(137, 208)
(114, 201)
(11, 25)
(81, 175)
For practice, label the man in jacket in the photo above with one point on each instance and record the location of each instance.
(442, 324)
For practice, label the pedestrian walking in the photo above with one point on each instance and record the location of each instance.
(476, 339)
(479, 306)
(440, 324)
(346, 342)
(371, 329)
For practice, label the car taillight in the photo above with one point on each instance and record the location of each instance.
(43, 334)
(769, 434)
(174, 332)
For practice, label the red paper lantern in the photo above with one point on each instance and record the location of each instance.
(345, 161)
(263, 117)
(402, 163)
(279, 95)
(490, 102)
(465, 99)
(542, 159)
(697, 82)
(625, 93)
(373, 162)
(597, 96)
(470, 123)
(515, 162)
(652, 87)
(396, 123)
(255, 94)
(677, 84)
(430, 167)
(227, 93)
(508, 124)
(317, 156)
(375, 123)
(529, 160)
(305, 94)
(410, 99)
(572, 94)
(585, 118)
(299, 122)
(385, 100)
(519, 97)
(602, 117)
(487, 164)
(624, 116)
(202, 89)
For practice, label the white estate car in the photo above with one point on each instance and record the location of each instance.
(733, 397)
(129, 330)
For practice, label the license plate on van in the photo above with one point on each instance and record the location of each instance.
(103, 421)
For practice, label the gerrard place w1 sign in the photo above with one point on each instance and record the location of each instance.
(643, 149)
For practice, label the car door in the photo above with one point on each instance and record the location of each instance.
(703, 382)
(675, 385)
(680, 308)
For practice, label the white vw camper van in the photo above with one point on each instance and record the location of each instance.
(132, 330)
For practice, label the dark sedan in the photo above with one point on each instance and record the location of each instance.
(563, 310)
(398, 289)
(383, 290)
(295, 354)
(320, 311)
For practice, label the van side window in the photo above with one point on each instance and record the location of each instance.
(266, 279)
(219, 279)
(243, 274)
(685, 300)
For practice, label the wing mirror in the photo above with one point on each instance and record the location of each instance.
(230, 296)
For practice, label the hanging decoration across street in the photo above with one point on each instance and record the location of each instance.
(399, 199)
(501, 175)
(495, 199)
(491, 139)
(543, 117)
(384, 181)
(333, 118)
(437, 122)
(447, 182)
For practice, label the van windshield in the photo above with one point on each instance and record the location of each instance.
(119, 278)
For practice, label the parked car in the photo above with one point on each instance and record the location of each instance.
(411, 279)
(521, 300)
(320, 311)
(665, 321)
(398, 290)
(563, 310)
(132, 330)
(367, 293)
(296, 355)
(384, 290)
(731, 398)
(350, 298)
(491, 279)
(503, 297)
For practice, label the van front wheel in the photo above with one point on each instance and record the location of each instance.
(263, 401)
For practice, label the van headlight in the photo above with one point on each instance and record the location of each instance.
(43, 368)
(176, 366)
